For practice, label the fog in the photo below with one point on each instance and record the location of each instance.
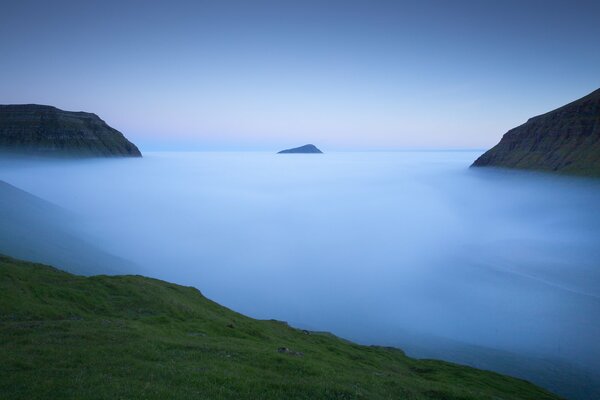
(411, 249)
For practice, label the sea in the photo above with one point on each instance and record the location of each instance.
(499, 269)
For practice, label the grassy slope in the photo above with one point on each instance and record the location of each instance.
(109, 337)
(564, 141)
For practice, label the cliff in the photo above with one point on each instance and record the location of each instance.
(566, 140)
(46, 130)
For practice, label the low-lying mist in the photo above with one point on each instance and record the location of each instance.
(376, 247)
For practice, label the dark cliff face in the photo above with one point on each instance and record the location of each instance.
(306, 149)
(566, 140)
(46, 130)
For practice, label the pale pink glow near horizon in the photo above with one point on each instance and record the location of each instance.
(345, 75)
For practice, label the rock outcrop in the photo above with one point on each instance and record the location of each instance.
(306, 149)
(566, 140)
(46, 130)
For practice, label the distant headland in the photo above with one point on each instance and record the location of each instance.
(566, 140)
(306, 149)
(48, 131)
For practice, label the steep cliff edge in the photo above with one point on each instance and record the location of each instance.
(566, 140)
(46, 130)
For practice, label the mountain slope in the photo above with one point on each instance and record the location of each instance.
(566, 140)
(101, 337)
(36, 230)
(46, 130)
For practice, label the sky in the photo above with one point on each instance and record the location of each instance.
(265, 75)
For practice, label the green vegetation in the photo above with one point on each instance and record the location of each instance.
(47, 131)
(565, 141)
(127, 337)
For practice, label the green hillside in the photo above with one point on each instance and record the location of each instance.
(128, 337)
(565, 140)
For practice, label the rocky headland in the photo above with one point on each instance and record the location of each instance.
(46, 130)
(566, 140)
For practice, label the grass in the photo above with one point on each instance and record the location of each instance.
(130, 337)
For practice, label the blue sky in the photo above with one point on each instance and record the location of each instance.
(270, 74)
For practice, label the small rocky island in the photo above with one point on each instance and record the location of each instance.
(306, 149)
(566, 140)
(46, 130)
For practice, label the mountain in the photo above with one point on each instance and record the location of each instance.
(46, 130)
(566, 140)
(105, 337)
(34, 229)
(307, 149)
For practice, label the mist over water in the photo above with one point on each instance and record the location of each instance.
(375, 247)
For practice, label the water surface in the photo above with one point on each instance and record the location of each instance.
(412, 249)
